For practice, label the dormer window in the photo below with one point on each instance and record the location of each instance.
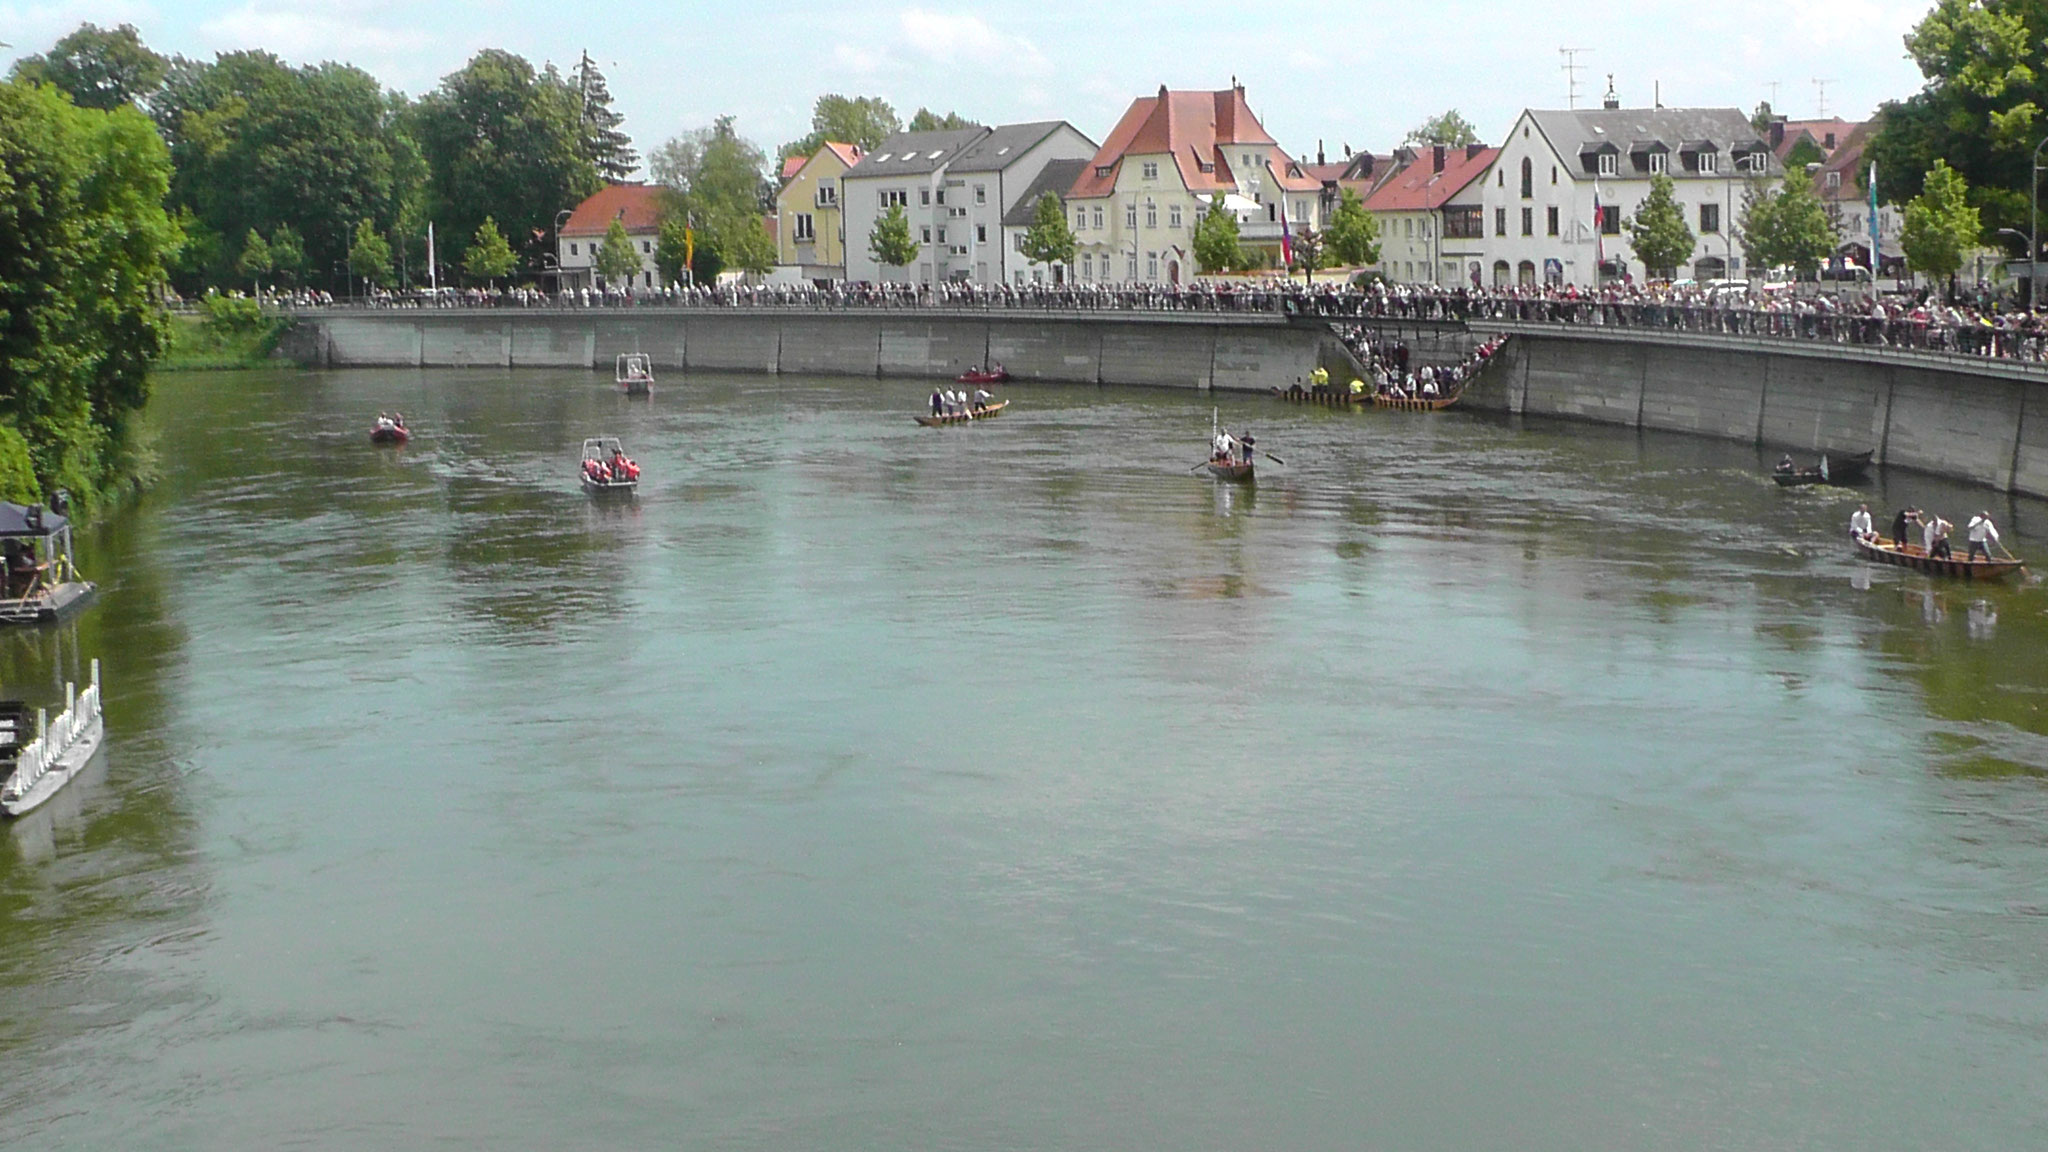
(1102, 171)
(1660, 162)
(1609, 164)
(1710, 163)
(1150, 170)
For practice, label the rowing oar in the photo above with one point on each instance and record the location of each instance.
(1202, 465)
(1270, 456)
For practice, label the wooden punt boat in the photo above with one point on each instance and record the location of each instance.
(1227, 470)
(59, 751)
(1830, 470)
(966, 417)
(1913, 556)
(1417, 403)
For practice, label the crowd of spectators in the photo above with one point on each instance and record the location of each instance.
(1982, 327)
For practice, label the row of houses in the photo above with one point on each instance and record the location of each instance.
(1546, 206)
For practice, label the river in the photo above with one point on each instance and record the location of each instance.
(1461, 785)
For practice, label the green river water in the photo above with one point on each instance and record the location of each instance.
(1461, 785)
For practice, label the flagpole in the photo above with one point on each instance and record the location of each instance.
(1876, 257)
(433, 280)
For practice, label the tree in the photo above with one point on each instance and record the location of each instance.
(1311, 251)
(369, 256)
(1449, 128)
(713, 169)
(98, 68)
(890, 243)
(1354, 233)
(1658, 231)
(616, 261)
(1980, 110)
(503, 142)
(258, 144)
(1760, 120)
(741, 241)
(674, 248)
(1787, 227)
(1803, 153)
(489, 257)
(287, 253)
(1940, 224)
(1216, 240)
(1756, 226)
(255, 259)
(607, 148)
(928, 121)
(84, 243)
(1049, 240)
(862, 120)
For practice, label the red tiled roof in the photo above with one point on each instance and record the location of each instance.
(849, 154)
(791, 165)
(1188, 126)
(638, 205)
(1418, 187)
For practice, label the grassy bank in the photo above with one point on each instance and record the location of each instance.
(207, 342)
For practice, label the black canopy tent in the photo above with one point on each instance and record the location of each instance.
(42, 581)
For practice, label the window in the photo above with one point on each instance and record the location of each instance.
(1087, 264)
(1553, 175)
(1151, 214)
(1609, 164)
(1833, 181)
(1710, 163)
(981, 233)
(1408, 227)
(1301, 211)
(1528, 221)
(1751, 162)
(942, 234)
(647, 246)
(573, 251)
(1131, 267)
(1500, 179)
(981, 193)
(924, 196)
(895, 198)
(1017, 241)
(1465, 223)
(1098, 219)
(1149, 170)
(805, 229)
(942, 195)
(1102, 171)
(1659, 162)
(1131, 214)
(927, 233)
(1710, 217)
(1550, 220)
(828, 194)
(1610, 219)
(1500, 221)
(1528, 178)
(1173, 216)
(1151, 265)
(1080, 219)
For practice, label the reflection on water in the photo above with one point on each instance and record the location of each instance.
(1463, 782)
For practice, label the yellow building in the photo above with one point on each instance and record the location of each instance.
(810, 232)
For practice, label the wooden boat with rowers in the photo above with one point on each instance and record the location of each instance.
(1417, 403)
(40, 755)
(1830, 470)
(1231, 469)
(1913, 556)
(966, 417)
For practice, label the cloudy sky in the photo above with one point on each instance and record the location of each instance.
(1360, 72)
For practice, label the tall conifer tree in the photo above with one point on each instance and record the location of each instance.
(608, 148)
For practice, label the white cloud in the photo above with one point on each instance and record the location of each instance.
(306, 32)
(957, 38)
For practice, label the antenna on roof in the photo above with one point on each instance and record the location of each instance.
(1571, 75)
(1821, 87)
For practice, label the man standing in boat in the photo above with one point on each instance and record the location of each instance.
(1244, 448)
(1983, 534)
(938, 402)
(1902, 524)
(1936, 536)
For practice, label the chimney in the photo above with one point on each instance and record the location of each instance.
(1612, 101)
(1436, 157)
(1162, 92)
(1319, 150)
(1472, 151)
(1656, 93)
(1777, 133)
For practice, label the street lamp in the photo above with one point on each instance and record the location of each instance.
(560, 218)
(2033, 221)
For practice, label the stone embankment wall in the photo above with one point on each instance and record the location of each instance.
(1970, 419)
(1199, 350)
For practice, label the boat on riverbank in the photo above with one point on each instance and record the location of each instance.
(1418, 403)
(1913, 556)
(55, 751)
(965, 417)
(634, 374)
(606, 469)
(1830, 470)
(41, 584)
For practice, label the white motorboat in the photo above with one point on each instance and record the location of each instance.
(60, 750)
(635, 374)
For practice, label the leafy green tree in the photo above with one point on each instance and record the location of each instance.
(862, 120)
(673, 248)
(1449, 128)
(1760, 120)
(505, 142)
(489, 257)
(1941, 226)
(255, 259)
(369, 256)
(1354, 233)
(287, 253)
(927, 120)
(1311, 251)
(258, 144)
(890, 243)
(713, 170)
(742, 241)
(1658, 231)
(1788, 226)
(84, 241)
(1049, 240)
(1756, 226)
(616, 260)
(607, 148)
(1803, 153)
(1216, 240)
(1980, 110)
(98, 68)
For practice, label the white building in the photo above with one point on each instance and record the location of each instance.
(1056, 178)
(956, 187)
(1556, 166)
(1432, 224)
(637, 208)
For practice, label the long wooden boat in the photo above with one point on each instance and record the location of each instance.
(1913, 556)
(1830, 470)
(1227, 470)
(1417, 403)
(60, 750)
(967, 417)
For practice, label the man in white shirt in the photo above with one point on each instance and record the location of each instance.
(1860, 526)
(1936, 537)
(1983, 534)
